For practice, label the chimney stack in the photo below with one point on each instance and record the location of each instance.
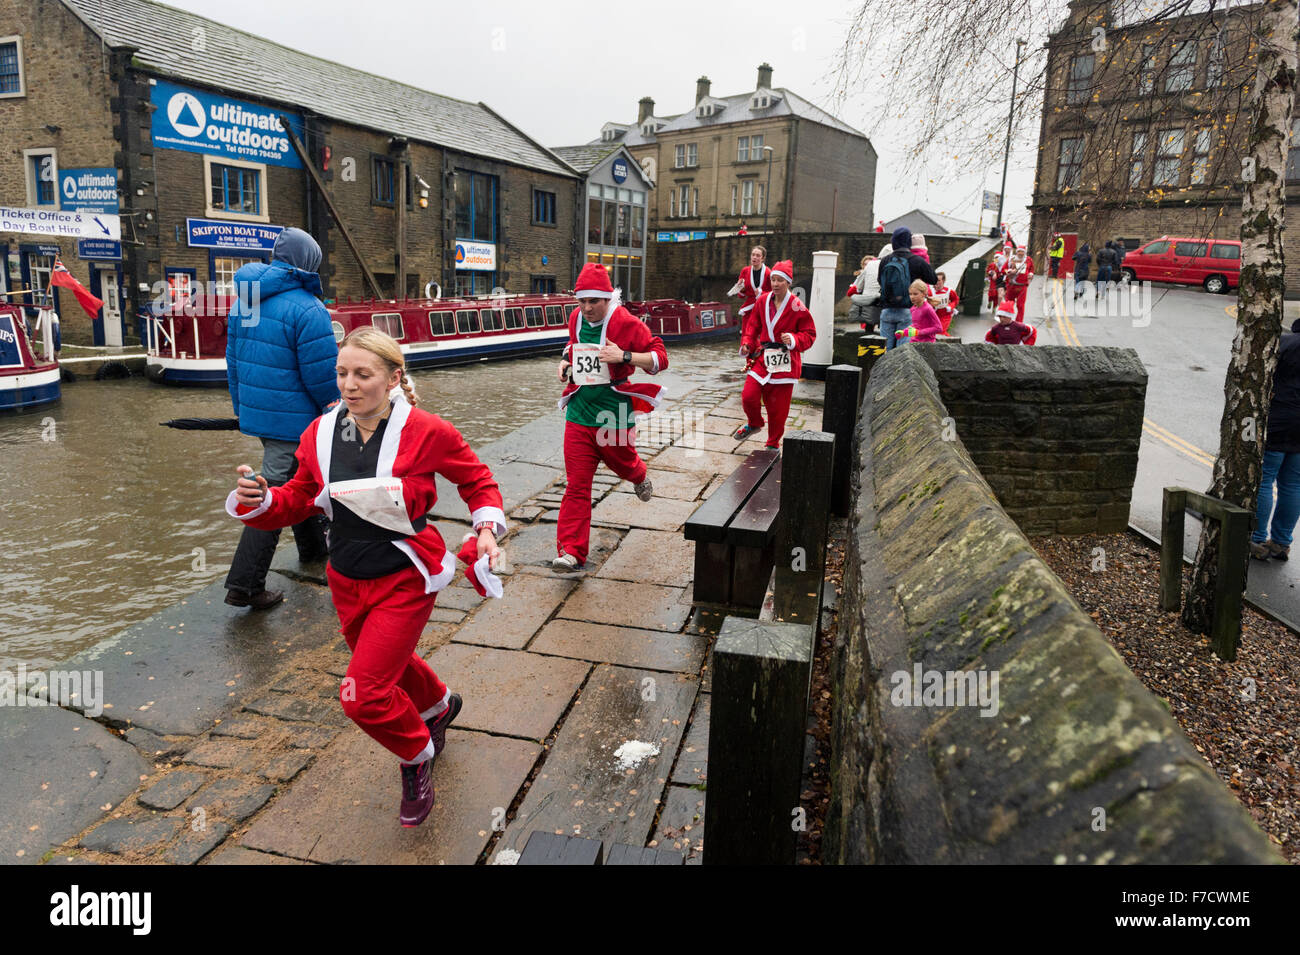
(764, 76)
(645, 109)
(701, 88)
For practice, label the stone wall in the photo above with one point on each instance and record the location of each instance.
(703, 271)
(1053, 430)
(937, 576)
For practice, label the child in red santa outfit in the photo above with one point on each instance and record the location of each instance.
(994, 275)
(780, 330)
(607, 343)
(945, 301)
(369, 465)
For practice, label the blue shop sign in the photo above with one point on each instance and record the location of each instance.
(215, 234)
(194, 121)
(619, 171)
(680, 236)
(105, 249)
(88, 190)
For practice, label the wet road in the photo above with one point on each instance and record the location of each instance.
(106, 517)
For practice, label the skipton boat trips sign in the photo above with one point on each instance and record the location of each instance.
(70, 225)
(218, 234)
(194, 121)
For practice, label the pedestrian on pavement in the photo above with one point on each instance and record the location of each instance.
(898, 271)
(784, 329)
(754, 281)
(925, 325)
(864, 294)
(280, 367)
(370, 466)
(1055, 254)
(1107, 259)
(1281, 458)
(994, 276)
(1082, 264)
(607, 343)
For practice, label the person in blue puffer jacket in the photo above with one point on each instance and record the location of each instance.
(281, 362)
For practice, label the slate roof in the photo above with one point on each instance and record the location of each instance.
(587, 157)
(932, 223)
(736, 109)
(242, 63)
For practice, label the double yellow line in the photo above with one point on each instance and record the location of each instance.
(1071, 337)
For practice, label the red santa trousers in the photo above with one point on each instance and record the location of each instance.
(1018, 294)
(388, 686)
(584, 448)
(776, 398)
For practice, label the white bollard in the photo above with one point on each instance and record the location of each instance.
(821, 302)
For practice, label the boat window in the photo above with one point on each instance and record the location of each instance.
(534, 316)
(514, 318)
(491, 319)
(720, 316)
(390, 323)
(554, 315)
(466, 322)
(442, 323)
(338, 332)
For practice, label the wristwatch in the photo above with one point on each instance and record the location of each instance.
(627, 357)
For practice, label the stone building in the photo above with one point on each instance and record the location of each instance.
(733, 159)
(1144, 126)
(183, 113)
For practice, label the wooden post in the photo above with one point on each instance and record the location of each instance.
(807, 458)
(840, 418)
(757, 723)
(870, 350)
(1172, 514)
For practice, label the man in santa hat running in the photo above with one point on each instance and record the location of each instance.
(606, 345)
(777, 332)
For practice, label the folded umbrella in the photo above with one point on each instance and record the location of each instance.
(202, 424)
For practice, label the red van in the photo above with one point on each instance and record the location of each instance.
(1214, 264)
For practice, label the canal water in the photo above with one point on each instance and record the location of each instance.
(106, 517)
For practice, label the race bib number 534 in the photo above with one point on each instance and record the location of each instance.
(587, 366)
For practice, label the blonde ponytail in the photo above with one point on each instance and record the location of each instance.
(408, 390)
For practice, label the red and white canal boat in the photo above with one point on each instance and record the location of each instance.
(25, 380)
(186, 342)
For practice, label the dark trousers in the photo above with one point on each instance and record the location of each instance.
(256, 547)
(1055, 265)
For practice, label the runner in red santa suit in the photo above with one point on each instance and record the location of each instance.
(1019, 271)
(780, 330)
(607, 343)
(755, 279)
(369, 465)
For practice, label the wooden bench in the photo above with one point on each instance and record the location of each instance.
(735, 534)
(547, 848)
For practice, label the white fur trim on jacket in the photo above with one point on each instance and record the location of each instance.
(232, 501)
(432, 583)
(494, 514)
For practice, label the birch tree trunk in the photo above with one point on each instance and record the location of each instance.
(1248, 389)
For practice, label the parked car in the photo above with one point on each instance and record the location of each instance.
(1214, 264)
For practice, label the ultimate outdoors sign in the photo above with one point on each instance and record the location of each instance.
(199, 122)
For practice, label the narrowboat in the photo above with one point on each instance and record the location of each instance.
(186, 342)
(26, 381)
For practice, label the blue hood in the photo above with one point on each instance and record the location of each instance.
(278, 277)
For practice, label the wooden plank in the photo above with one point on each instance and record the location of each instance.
(709, 519)
(1230, 581)
(547, 848)
(755, 524)
(756, 741)
(641, 855)
(751, 567)
(713, 562)
(840, 418)
(1172, 514)
(803, 526)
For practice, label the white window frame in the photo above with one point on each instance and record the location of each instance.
(223, 286)
(672, 203)
(1137, 160)
(695, 203)
(1062, 181)
(747, 197)
(756, 147)
(1201, 156)
(1185, 77)
(30, 176)
(387, 326)
(264, 215)
(692, 155)
(760, 198)
(1175, 135)
(742, 149)
(679, 156)
(735, 195)
(684, 200)
(1216, 60)
(22, 71)
(1147, 70)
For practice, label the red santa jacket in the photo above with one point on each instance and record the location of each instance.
(751, 290)
(767, 324)
(415, 447)
(1019, 280)
(630, 334)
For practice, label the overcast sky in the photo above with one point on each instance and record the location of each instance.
(560, 70)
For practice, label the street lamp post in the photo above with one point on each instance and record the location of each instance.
(767, 190)
(1006, 154)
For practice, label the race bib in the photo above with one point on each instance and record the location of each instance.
(777, 360)
(377, 500)
(588, 369)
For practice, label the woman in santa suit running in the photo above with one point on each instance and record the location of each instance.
(780, 329)
(369, 465)
(755, 279)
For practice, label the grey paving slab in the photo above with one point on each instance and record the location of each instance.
(626, 604)
(286, 563)
(532, 549)
(132, 834)
(625, 646)
(153, 747)
(652, 557)
(692, 766)
(693, 459)
(193, 844)
(231, 799)
(459, 598)
(297, 709)
(527, 603)
(344, 809)
(660, 513)
(508, 692)
(517, 480)
(581, 789)
(677, 485)
(177, 672)
(172, 790)
(282, 768)
(707, 441)
(238, 855)
(681, 823)
(59, 772)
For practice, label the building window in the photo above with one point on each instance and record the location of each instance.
(236, 189)
(672, 204)
(742, 149)
(1079, 88)
(476, 206)
(40, 268)
(1182, 68)
(224, 268)
(747, 197)
(695, 203)
(11, 66)
(42, 177)
(1169, 157)
(1201, 157)
(1214, 61)
(1147, 71)
(749, 149)
(1137, 161)
(543, 207)
(1071, 164)
(384, 190)
(760, 203)
(735, 194)
(684, 200)
(679, 156)
(692, 155)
